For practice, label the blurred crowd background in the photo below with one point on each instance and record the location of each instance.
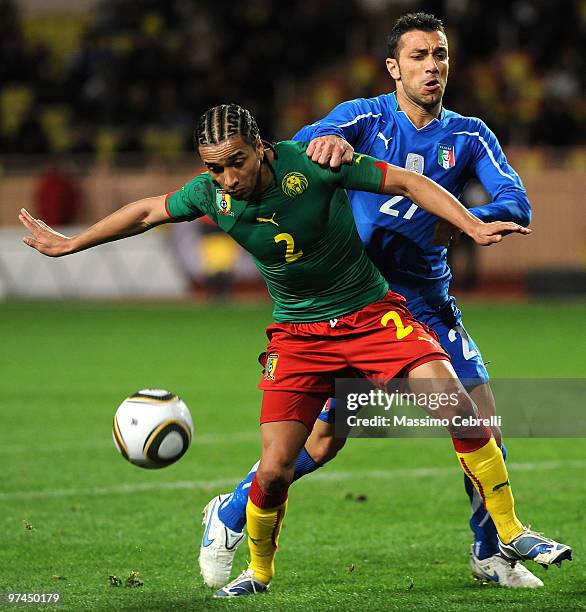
(132, 75)
(98, 100)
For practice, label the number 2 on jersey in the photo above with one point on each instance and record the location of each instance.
(467, 352)
(402, 331)
(290, 255)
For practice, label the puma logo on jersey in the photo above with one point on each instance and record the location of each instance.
(271, 220)
(426, 339)
(385, 140)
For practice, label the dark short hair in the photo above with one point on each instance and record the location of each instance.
(407, 23)
(225, 121)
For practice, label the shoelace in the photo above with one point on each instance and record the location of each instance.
(537, 533)
(245, 574)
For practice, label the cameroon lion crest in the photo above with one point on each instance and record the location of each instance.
(294, 184)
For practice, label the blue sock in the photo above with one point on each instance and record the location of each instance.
(233, 511)
(485, 533)
(304, 465)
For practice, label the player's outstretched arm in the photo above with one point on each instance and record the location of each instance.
(435, 199)
(129, 220)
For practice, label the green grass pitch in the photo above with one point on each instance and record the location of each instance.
(73, 512)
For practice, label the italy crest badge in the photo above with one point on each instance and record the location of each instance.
(446, 156)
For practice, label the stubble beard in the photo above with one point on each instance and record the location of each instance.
(420, 100)
(429, 103)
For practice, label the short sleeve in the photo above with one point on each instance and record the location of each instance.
(365, 173)
(192, 201)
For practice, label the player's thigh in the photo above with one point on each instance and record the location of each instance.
(287, 405)
(446, 322)
(465, 355)
(281, 443)
(438, 378)
(283, 433)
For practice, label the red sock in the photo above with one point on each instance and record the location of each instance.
(469, 445)
(264, 500)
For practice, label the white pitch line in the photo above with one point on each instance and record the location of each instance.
(64, 447)
(224, 483)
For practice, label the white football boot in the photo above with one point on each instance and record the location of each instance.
(497, 570)
(218, 545)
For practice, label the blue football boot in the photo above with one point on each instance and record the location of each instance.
(532, 546)
(245, 584)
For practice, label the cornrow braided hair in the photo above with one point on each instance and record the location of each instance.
(225, 121)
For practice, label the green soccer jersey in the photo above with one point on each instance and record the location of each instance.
(300, 232)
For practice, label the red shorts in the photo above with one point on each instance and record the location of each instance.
(381, 341)
(292, 406)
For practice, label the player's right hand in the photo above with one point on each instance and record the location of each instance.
(330, 150)
(44, 238)
(486, 234)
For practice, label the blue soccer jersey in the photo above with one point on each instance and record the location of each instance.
(398, 234)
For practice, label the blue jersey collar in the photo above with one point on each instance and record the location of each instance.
(430, 125)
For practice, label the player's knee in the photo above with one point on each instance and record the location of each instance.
(463, 420)
(274, 478)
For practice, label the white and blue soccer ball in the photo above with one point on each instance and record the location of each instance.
(152, 428)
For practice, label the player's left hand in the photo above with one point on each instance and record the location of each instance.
(486, 234)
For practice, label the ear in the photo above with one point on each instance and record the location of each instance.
(393, 68)
(260, 148)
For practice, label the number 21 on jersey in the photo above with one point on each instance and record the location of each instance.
(415, 163)
(387, 208)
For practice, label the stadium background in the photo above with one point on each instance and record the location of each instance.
(98, 100)
(97, 104)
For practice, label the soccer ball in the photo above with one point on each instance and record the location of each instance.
(152, 428)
